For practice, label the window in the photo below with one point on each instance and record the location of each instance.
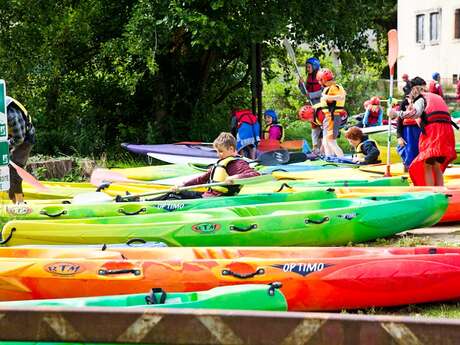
(420, 19)
(434, 26)
(457, 24)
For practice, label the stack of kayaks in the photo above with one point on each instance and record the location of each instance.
(311, 278)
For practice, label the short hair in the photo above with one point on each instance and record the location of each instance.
(354, 133)
(225, 140)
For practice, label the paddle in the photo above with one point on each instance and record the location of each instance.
(98, 197)
(30, 179)
(291, 54)
(392, 57)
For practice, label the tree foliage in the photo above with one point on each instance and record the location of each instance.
(95, 73)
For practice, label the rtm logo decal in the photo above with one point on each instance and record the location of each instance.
(206, 228)
(304, 268)
(63, 268)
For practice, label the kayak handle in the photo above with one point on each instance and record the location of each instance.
(6, 240)
(312, 221)
(237, 228)
(284, 185)
(126, 213)
(104, 272)
(259, 271)
(135, 240)
(274, 286)
(53, 215)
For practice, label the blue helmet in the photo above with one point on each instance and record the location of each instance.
(314, 62)
(435, 75)
(272, 114)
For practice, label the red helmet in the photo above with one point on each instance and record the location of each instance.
(325, 74)
(307, 113)
(375, 100)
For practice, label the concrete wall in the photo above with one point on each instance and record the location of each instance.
(422, 59)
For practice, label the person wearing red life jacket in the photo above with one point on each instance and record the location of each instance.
(435, 85)
(373, 115)
(437, 140)
(313, 87)
(316, 119)
(247, 129)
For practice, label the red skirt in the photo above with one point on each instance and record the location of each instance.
(438, 141)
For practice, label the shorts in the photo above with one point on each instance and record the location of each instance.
(433, 160)
(331, 128)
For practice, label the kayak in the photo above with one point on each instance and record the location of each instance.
(301, 223)
(311, 278)
(233, 297)
(157, 172)
(113, 209)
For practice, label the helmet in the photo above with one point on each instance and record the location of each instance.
(307, 113)
(314, 62)
(272, 114)
(435, 75)
(375, 100)
(325, 75)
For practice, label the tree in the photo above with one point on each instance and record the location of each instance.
(98, 72)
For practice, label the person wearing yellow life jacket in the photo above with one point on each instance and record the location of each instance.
(366, 150)
(21, 137)
(230, 166)
(437, 140)
(332, 104)
(273, 130)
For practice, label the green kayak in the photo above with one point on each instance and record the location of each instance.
(77, 211)
(300, 223)
(237, 297)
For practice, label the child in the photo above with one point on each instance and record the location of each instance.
(316, 119)
(273, 130)
(437, 141)
(435, 85)
(366, 150)
(313, 87)
(332, 104)
(247, 129)
(230, 166)
(373, 115)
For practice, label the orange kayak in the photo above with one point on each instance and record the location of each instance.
(312, 278)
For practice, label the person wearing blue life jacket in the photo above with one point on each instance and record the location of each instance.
(273, 130)
(312, 85)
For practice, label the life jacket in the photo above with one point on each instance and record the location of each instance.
(434, 87)
(245, 116)
(409, 122)
(373, 114)
(312, 83)
(266, 133)
(219, 174)
(359, 152)
(436, 110)
(334, 108)
(318, 118)
(29, 135)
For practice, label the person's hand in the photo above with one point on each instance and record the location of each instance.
(228, 180)
(401, 142)
(176, 188)
(393, 114)
(301, 80)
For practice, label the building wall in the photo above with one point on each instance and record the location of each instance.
(422, 59)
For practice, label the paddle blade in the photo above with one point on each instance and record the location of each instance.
(392, 49)
(274, 157)
(30, 179)
(100, 176)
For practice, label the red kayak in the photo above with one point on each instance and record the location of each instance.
(312, 278)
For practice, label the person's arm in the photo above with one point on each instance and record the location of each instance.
(380, 120)
(240, 169)
(415, 111)
(302, 87)
(202, 179)
(16, 127)
(441, 93)
(399, 128)
(372, 152)
(366, 118)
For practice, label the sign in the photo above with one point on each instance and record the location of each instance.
(4, 149)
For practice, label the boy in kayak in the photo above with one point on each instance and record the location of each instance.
(373, 115)
(230, 166)
(366, 150)
(273, 130)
